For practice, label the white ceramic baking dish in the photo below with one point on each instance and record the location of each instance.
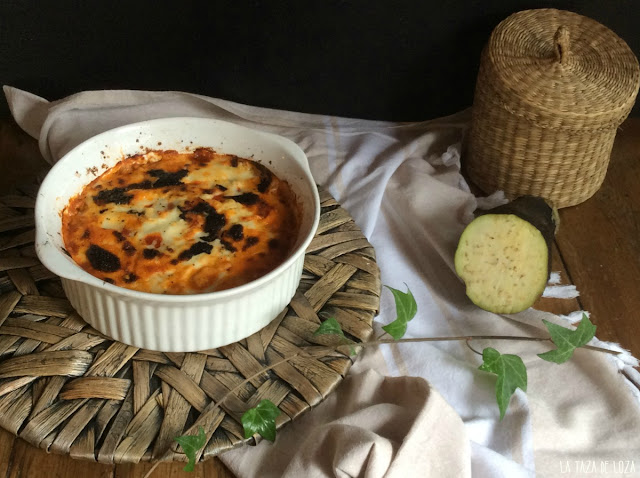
(176, 323)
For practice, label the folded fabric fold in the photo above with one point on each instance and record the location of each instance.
(371, 426)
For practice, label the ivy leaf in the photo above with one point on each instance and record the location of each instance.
(511, 372)
(396, 329)
(330, 326)
(261, 419)
(191, 444)
(567, 340)
(406, 309)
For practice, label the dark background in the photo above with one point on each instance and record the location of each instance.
(378, 59)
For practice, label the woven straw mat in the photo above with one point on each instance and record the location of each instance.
(67, 388)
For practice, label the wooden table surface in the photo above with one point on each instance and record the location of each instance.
(597, 248)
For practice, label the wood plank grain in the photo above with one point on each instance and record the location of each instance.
(7, 441)
(23, 460)
(212, 468)
(558, 306)
(28, 461)
(17, 148)
(599, 241)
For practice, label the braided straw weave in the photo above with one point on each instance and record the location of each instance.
(552, 88)
(67, 388)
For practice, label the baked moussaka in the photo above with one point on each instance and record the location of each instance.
(190, 222)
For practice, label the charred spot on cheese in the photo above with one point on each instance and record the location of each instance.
(167, 179)
(182, 222)
(128, 248)
(129, 278)
(251, 241)
(235, 232)
(228, 246)
(121, 195)
(265, 177)
(146, 184)
(102, 260)
(197, 248)
(248, 199)
(213, 222)
(115, 196)
(151, 253)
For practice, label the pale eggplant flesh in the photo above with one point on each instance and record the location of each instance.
(504, 255)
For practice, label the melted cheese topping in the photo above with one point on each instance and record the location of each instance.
(181, 223)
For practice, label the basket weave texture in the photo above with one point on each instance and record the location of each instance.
(67, 388)
(552, 89)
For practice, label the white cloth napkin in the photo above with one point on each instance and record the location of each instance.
(402, 185)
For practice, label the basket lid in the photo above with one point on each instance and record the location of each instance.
(563, 63)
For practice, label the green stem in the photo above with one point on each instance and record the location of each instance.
(466, 338)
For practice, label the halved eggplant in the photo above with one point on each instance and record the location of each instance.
(504, 255)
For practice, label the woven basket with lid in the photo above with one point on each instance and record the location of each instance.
(552, 89)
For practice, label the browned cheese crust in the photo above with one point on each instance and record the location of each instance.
(182, 223)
